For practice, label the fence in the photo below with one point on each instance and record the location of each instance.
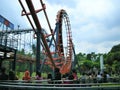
(55, 85)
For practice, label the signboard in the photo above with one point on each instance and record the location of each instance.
(6, 22)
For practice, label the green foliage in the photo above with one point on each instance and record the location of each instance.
(89, 56)
(117, 56)
(115, 48)
(96, 64)
(22, 52)
(85, 62)
(116, 66)
(109, 59)
(113, 55)
(34, 49)
(88, 64)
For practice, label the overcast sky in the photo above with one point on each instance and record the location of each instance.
(95, 23)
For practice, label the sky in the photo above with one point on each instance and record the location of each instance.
(95, 24)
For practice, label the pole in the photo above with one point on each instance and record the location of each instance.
(101, 63)
(38, 65)
(37, 23)
(14, 62)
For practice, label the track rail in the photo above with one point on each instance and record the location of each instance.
(57, 58)
(62, 17)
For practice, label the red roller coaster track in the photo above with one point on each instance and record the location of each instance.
(60, 57)
(62, 16)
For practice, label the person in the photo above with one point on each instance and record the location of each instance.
(99, 78)
(83, 78)
(69, 79)
(38, 76)
(12, 76)
(3, 75)
(49, 77)
(26, 75)
(104, 77)
(108, 77)
(74, 73)
(57, 75)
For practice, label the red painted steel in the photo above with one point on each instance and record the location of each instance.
(62, 61)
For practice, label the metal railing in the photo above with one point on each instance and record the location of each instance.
(11, 41)
(55, 85)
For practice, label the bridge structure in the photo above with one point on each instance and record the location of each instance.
(12, 41)
(56, 47)
(5, 42)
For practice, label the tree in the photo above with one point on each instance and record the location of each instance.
(115, 48)
(89, 56)
(112, 60)
(117, 56)
(22, 52)
(109, 59)
(34, 49)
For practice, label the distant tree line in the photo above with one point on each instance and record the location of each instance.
(89, 62)
(85, 63)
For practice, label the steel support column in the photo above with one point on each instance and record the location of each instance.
(14, 62)
(1, 62)
(38, 65)
(39, 29)
(31, 70)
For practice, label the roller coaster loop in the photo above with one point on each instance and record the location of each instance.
(59, 57)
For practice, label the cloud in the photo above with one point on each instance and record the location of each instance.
(95, 23)
(94, 8)
(12, 12)
(70, 3)
(88, 47)
(97, 11)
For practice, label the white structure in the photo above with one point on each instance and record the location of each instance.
(101, 63)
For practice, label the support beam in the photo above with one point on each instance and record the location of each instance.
(14, 62)
(35, 18)
(38, 65)
(30, 63)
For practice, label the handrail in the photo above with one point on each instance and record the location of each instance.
(47, 84)
(54, 82)
(60, 86)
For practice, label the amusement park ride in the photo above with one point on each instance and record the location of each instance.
(59, 57)
(54, 49)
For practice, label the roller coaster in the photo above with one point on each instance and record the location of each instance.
(56, 47)
(58, 58)
(62, 54)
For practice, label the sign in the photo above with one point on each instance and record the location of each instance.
(6, 22)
